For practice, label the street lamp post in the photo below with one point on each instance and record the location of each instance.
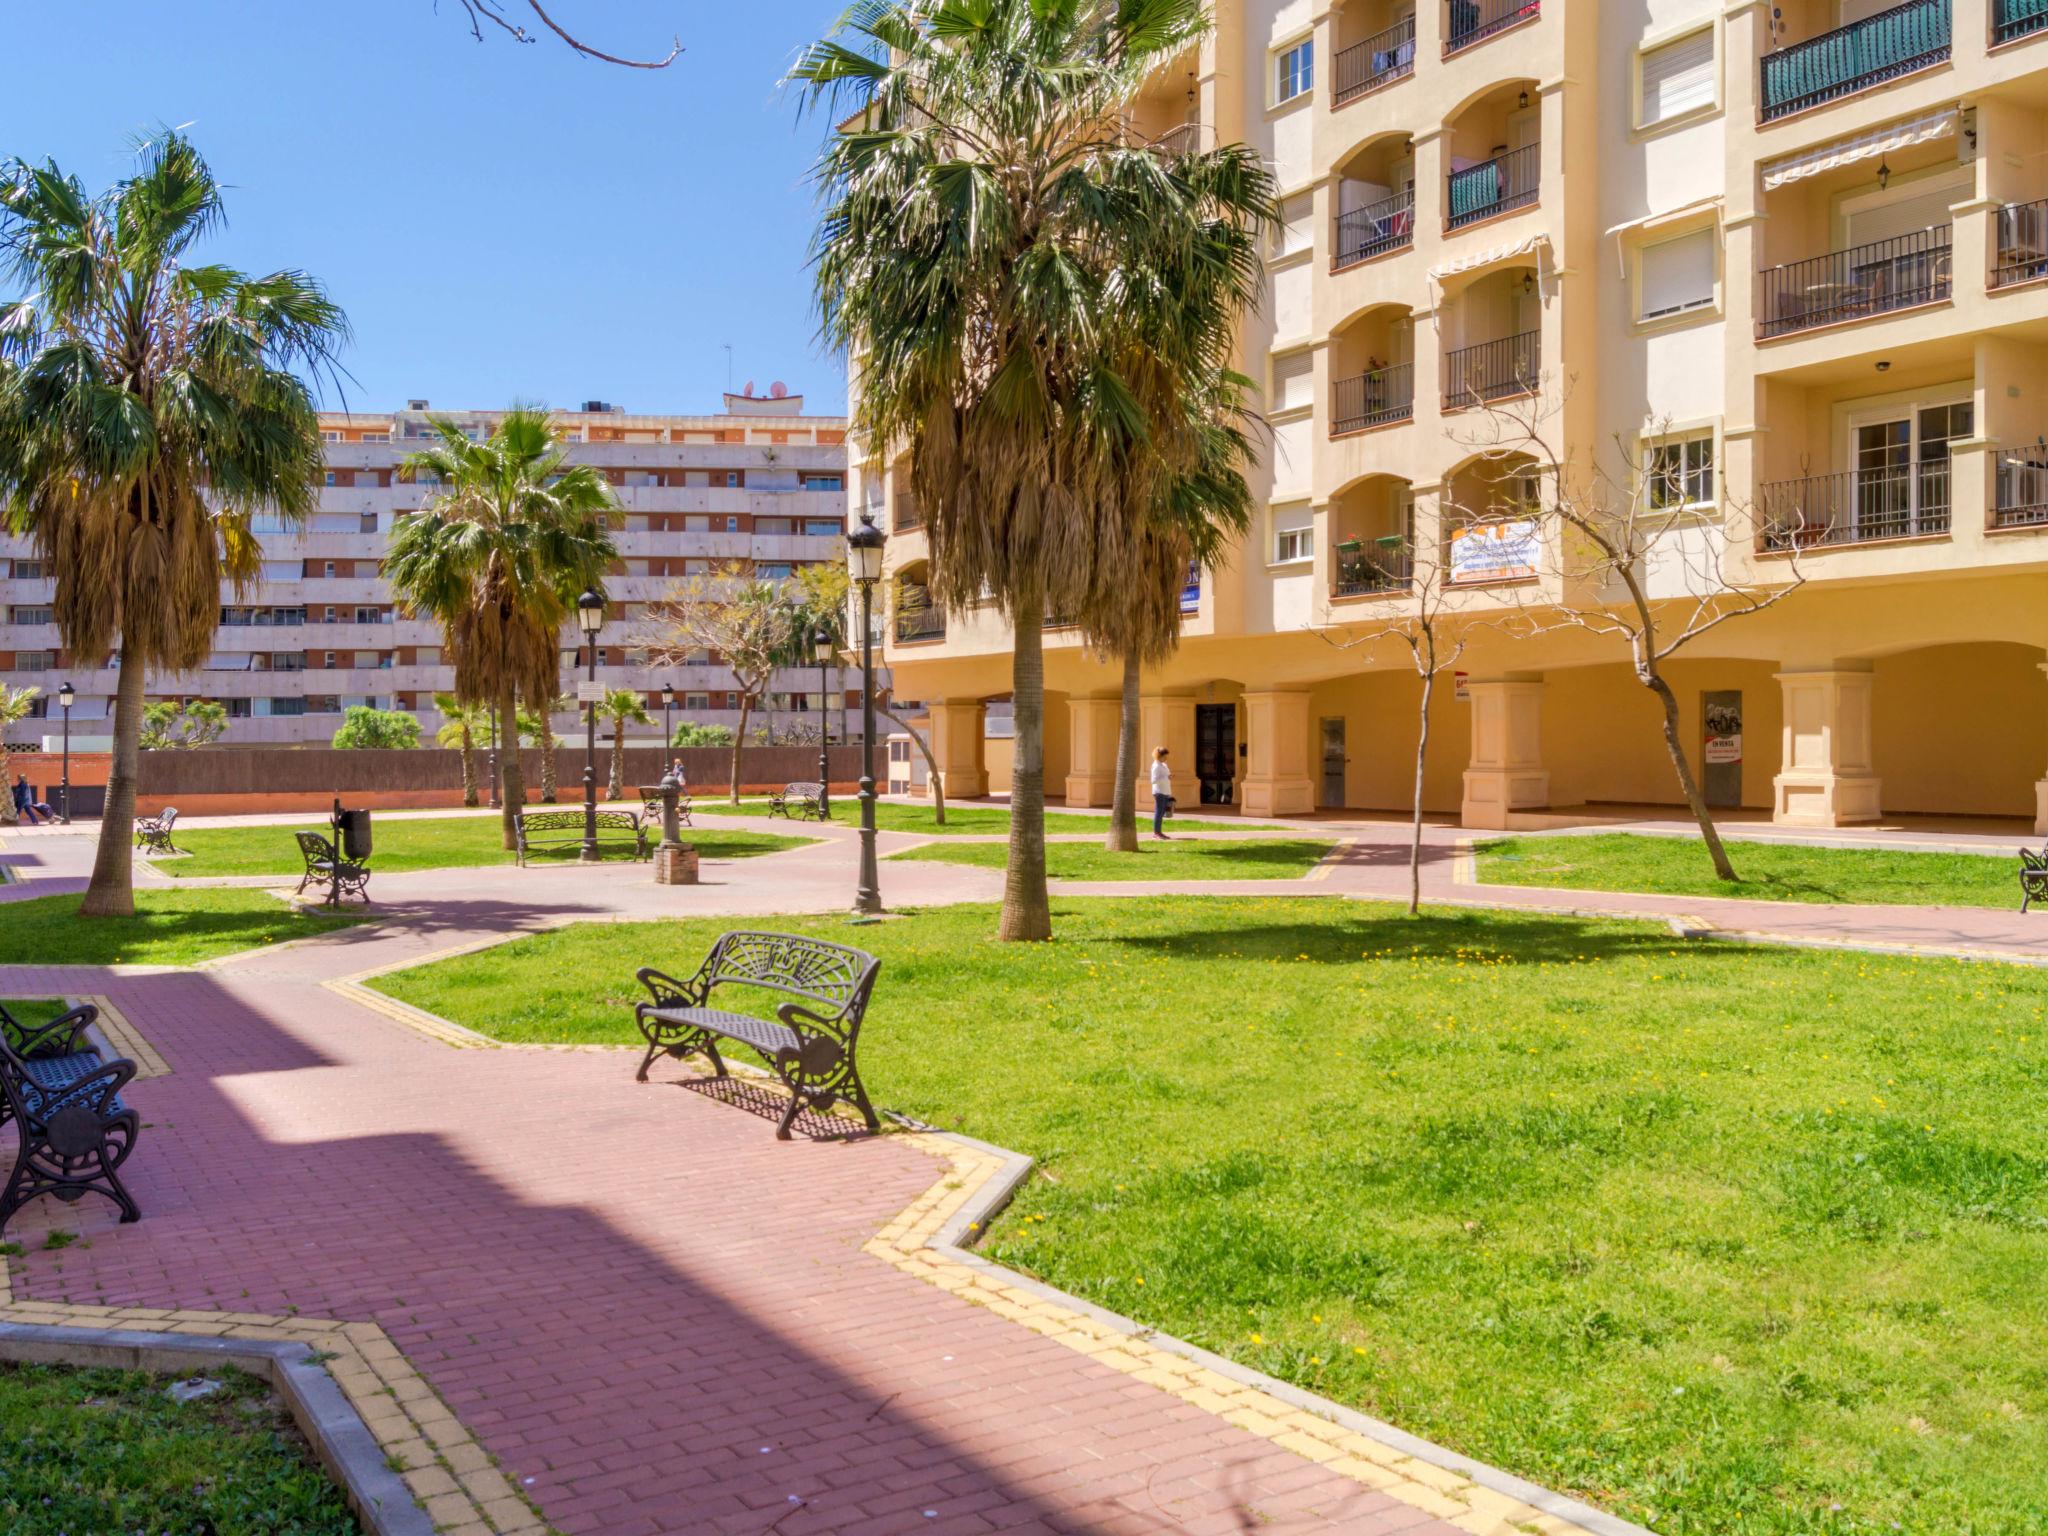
(65, 696)
(864, 565)
(824, 649)
(590, 619)
(668, 735)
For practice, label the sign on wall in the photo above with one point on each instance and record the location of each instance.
(1494, 551)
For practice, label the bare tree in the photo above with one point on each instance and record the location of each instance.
(493, 11)
(1638, 554)
(886, 708)
(745, 620)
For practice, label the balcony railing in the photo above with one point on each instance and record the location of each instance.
(1493, 186)
(2017, 18)
(1379, 60)
(1373, 565)
(2022, 251)
(1854, 58)
(1894, 501)
(1373, 399)
(1474, 21)
(1183, 139)
(906, 516)
(1493, 370)
(916, 619)
(1850, 285)
(1375, 229)
(2020, 489)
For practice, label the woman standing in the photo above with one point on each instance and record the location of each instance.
(1162, 793)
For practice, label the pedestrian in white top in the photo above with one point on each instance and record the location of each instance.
(1162, 793)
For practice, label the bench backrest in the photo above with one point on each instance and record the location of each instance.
(314, 848)
(572, 821)
(170, 815)
(810, 789)
(832, 975)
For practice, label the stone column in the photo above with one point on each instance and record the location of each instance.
(956, 743)
(1825, 777)
(1091, 750)
(1505, 772)
(1167, 720)
(1276, 780)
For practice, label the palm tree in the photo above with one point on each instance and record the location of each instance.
(623, 707)
(461, 724)
(15, 704)
(537, 729)
(497, 558)
(149, 408)
(992, 252)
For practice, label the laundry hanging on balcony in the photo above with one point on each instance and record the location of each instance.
(1878, 141)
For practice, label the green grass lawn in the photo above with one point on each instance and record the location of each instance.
(1719, 1238)
(103, 1450)
(963, 820)
(1252, 858)
(168, 928)
(403, 844)
(1621, 861)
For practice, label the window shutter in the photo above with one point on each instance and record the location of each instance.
(1293, 381)
(1678, 77)
(1677, 275)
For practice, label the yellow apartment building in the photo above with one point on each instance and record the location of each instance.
(1794, 255)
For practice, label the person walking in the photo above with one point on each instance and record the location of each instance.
(1162, 793)
(25, 803)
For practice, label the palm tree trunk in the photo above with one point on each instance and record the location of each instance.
(616, 790)
(8, 817)
(739, 743)
(512, 772)
(1027, 910)
(547, 759)
(112, 891)
(1123, 799)
(933, 777)
(469, 795)
(1694, 799)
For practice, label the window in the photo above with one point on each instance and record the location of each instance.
(328, 663)
(696, 701)
(331, 479)
(284, 706)
(327, 568)
(28, 570)
(375, 437)
(772, 525)
(1681, 472)
(1293, 381)
(34, 661)
(25, 615)
(774, 570)
(238, 709)
(1294, 71)
(330, 437)
(823, 483)
(1293, 536)
(732, 477)
(368, 524)
(1674, 277)
(1677, 78)
(732, 525)
(822, 528)
(369, 615)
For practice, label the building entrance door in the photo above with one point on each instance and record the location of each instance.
(1721, 747)
(1333, 762)
(1216, 751)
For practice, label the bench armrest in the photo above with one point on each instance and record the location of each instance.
(59, 1037)
(668, 992)
(809, 1022)
(95, 1092)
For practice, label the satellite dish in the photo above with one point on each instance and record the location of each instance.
(750, 389)
(778, 390)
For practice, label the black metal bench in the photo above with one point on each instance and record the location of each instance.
(153, 833)
(2033, 877)
(322, 871)
(545, 830)
(650, 806)
(814, 1047)
(66, 1103)
(799, 802)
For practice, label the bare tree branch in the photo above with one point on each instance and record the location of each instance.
(481, 11)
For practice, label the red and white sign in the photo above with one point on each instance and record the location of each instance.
(1724, 749)
(1494, 551)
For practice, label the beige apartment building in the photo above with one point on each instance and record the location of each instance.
(1792, 257)
(760, 484)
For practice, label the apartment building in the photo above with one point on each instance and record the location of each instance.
(761, 484)
(1789, 262)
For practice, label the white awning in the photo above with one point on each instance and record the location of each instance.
(1878, 141)
(1651, 221)
(1446, 269)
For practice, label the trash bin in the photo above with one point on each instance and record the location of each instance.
(355, 835)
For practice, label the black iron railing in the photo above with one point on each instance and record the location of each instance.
(906, 516)
(1856, 506)
(1493, 370)
(2017, 18)
(916, 618)
(1375, 229)
(1854, 58)
(1373, 399)
(1850, 285)
(2020, 489)
(1379, 60)
(1493, 186)
(1373, 565)
(2021, 254)
(1474, 21)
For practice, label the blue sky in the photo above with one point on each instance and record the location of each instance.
(500, 221)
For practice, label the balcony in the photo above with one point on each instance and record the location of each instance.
(2019, 497)
(1368, 567)
(2014, 19)
(1380, 60)
(1374, 399)
(1857, 506)
(1493, 186)
(1374, 230)
(1854, 58)
(905, 516)
(2021, 254)
(916, 618)
(1865, 280)
(1472, 22)
(1493, 370)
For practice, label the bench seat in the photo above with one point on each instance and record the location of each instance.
(49, 1076)
(764, 1035)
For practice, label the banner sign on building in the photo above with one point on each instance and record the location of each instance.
(589, 691)
(1494, 551)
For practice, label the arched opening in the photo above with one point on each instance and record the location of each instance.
(1372, 369)
(1493, 338)
(1375, 201)
(916, 617)
(1372, 537)
(1493, 155)
(1375, 46)
(1489, 519)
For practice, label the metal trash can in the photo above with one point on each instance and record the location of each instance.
(355, 835)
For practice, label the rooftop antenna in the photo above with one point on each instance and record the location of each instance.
(728, 366)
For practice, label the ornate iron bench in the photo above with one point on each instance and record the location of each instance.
(799, 802)
(2033, 877)
(564, 829)
(153, 833)
(66, 1103)
(650, 811)
(318, 852)
(814, 1047)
